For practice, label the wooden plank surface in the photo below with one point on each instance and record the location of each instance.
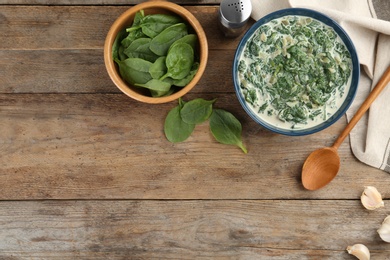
(83, 27)
(83, 71)
(72, 49)
(108, 146)
(99, 2)
(86, 173)
(298, 229)
(115, 147)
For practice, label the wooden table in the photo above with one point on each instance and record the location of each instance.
(86, 172)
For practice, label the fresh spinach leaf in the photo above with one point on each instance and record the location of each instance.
(136, 26)
(158, 68)
(156, 93)
(179, 61)
(161, 43)
(134, 70)
(139, 16)
(154, 24)
(181, 103)
(190, 39)
(135, 31)
(132, 36)
(158, 86)
(117, 44)
(197, 111)
(175, 129)
(139, 48)
(184, 82)
(226, 129)
(121, 53)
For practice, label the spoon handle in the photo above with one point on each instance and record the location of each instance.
(364, 107)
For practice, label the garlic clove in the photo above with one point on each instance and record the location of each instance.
(371, 198)
(360, 251)
(384, 230)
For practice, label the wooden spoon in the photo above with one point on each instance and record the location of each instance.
(323, 164)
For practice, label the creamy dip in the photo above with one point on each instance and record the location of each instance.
(294, 72)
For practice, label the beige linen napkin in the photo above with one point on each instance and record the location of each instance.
(370, 139)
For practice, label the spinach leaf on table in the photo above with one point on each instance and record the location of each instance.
(197, 111)
(181, 121)
(175, 129)
(226, 129)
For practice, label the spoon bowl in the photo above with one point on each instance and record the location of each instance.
(320, 168)
(322, 165)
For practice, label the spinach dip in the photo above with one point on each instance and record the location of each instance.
(294, 72)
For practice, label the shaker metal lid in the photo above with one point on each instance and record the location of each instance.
(235, 13)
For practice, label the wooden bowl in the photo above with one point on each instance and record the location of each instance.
(125, 20)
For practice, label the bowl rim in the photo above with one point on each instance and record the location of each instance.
(121, 21)
(344, 37)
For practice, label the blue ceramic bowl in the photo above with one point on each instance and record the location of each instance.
(354, 81)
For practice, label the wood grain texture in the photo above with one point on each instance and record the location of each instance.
(68, 54)
(82, 27)
(188, 229)
(107, 146)
(86, 172)
(98, 2)
(83, 71)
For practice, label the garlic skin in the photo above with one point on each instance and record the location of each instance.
(371, 198)
(360, 251)
(384, 230)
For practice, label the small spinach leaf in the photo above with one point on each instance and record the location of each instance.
(134, 70)
(191, 39)
(226, 129)
(184, 82)
(197, 111)
(121, 53)
(179, 61)
(117, 44)
(133, 35)
(161, 43)
(175, 129)
(154, 24)
(139, 16)
(158, 68)
(139, 48)
(156, 93)
(134, 32)
(158, 86)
